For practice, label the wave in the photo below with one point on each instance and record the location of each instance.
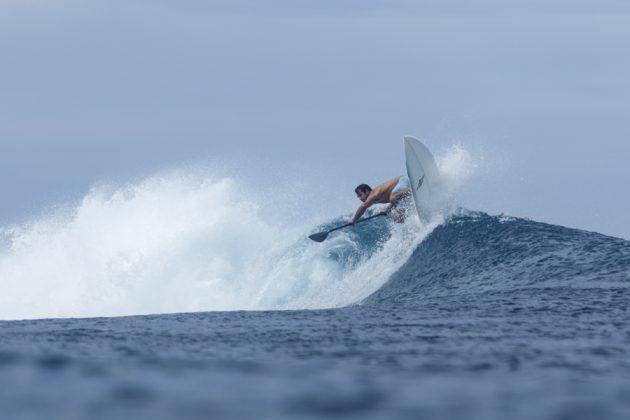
(475, 253)
(183, 243)
(188, 244)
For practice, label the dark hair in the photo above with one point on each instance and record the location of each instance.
(363, 188)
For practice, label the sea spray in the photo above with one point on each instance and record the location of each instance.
(169, 243)
(184, 242)
(180, 244)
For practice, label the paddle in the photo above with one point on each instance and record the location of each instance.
(321, 236)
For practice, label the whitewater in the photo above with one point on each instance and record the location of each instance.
(186, 241)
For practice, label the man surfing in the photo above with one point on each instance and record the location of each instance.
(390, 192)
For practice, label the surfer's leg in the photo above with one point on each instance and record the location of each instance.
(401, 201)
(399, 215)
(394, 197)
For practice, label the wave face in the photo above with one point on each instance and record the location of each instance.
(473, 253)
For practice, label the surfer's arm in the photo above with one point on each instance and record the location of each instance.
(362, 208)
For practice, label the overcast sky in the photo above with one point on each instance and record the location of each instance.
(537, 91)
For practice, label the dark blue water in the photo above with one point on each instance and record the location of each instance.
(490, 318)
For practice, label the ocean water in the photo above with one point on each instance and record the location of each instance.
(489, 317)
(175, 298)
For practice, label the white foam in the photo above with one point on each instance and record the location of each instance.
(456, 166)
(306, 277)
(182, 242)
(179, 243)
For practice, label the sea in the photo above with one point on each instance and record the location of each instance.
(174, 298)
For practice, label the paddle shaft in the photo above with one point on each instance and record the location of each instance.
(358, 221)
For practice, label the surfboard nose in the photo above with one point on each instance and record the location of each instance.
(408, 140)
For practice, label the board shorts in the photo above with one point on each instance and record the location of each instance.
(403, 183)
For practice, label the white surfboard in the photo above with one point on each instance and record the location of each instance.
(423, 176)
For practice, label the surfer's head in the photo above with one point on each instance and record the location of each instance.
(363, 191)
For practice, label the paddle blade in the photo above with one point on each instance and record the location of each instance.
(319, 237)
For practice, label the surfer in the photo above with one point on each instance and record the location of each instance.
(390, 192)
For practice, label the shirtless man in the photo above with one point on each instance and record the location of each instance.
(390, 192)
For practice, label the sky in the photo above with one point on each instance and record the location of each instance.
(322, 92)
